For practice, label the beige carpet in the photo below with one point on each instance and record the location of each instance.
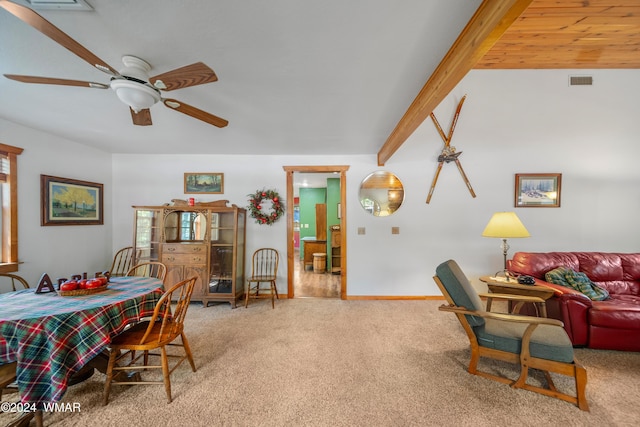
(314, 362)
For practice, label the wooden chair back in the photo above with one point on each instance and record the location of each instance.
(149, 269)
(11, 283)
(172, 319)
(264, 265)
(122, 262)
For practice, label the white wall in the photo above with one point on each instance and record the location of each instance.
(511, 122)
(59, 251)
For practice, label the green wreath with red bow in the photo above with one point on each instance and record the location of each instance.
(255, 206)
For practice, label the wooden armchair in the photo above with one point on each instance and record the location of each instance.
(164, 328)
(530, 342)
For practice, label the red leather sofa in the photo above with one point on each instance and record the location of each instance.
(610, 324)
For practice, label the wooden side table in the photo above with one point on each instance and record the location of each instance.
(500, 285)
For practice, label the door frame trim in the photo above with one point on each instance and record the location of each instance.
(342, 169)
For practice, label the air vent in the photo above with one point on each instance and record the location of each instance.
(59, 4)
(580, 80)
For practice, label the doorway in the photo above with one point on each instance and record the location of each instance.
(297, 270)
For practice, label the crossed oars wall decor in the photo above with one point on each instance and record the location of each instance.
(449, 152)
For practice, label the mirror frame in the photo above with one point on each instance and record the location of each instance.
(381, 193)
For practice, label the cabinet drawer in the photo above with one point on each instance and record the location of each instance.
(171, 258)
(183, 248)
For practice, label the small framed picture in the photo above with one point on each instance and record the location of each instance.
(538, 190)
(65, 201)
(203, 183)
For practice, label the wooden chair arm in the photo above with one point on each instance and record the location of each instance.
(504, 317)
(522, 298)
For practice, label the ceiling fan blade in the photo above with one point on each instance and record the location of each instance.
(195, 113)
(31, 18)
(141, 118)
(54, 81)
(190, 75)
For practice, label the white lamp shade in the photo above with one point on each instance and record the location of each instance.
(505, 225)
(136, 95)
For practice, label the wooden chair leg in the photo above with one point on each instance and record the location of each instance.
(550, 382)
(273, 294)
(187, 350)
(166, 373)
(246, 297)
(581, 386)
(522, 379)
(473, 362)
(107, 383)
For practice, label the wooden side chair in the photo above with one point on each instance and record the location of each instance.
(264, 269)
(122, 262)
(530, 342)
(164, 327)
(11, 283)
(8, 377)
(149, 269)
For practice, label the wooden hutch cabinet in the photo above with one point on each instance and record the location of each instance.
(205, 241)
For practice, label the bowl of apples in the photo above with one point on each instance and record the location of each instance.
(82, 286)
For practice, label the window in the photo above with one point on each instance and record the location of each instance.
(9, 207)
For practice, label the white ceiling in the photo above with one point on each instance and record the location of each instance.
(295, 76)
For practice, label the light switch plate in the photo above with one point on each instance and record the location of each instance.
(395, 230)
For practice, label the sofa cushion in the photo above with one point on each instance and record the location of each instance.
(578, 281)
(615, 314)
(536, 264)
(600, 267)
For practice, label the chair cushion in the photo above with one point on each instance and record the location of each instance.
(460, 289)
(547, 341)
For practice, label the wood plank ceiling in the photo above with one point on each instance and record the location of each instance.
(570, 34)
(546, 34)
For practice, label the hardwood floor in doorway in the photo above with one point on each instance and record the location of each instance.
(307, 284)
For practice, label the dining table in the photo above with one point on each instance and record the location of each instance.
(51, 337)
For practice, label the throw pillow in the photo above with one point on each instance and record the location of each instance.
(575, 280)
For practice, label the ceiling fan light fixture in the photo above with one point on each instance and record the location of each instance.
(136, 95)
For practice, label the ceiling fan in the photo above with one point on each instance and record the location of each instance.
(132, 84)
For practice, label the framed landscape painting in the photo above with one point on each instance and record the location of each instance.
(203, 183)
(538, 190)
(65, 201)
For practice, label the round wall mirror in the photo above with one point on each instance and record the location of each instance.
(381, 193)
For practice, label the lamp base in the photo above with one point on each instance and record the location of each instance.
(506, 274)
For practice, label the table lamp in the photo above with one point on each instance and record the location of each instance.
(505, 225)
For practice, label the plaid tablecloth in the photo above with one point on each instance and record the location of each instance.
(52, 337)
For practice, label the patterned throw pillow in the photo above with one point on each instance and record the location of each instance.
(579, 281)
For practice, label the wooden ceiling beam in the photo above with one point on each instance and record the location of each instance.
(486, 26)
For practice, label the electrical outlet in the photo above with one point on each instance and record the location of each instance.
(361, 230)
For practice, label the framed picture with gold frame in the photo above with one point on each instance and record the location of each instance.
(203, 183)
(537, 190)
(65, 201)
